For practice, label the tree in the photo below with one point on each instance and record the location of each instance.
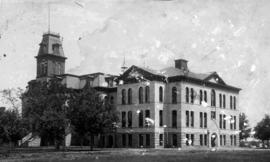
(90, 115)
(45, 110)
(12, 127)
(244, 127)
(262, 130)
(12, 98)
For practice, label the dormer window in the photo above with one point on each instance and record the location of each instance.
(55, 48)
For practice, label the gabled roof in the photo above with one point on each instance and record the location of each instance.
(136, 74)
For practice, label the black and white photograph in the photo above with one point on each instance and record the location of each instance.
(134, 80)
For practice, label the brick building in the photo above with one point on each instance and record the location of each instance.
(172, 107)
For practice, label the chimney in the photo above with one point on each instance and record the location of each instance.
(181, 64)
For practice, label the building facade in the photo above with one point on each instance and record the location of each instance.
(172, 107)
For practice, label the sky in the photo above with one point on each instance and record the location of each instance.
(229, 37)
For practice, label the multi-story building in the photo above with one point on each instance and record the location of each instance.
(173, 107)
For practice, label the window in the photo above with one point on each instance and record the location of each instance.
(43, 67)
(201, 119)
(124, 140)
(174, 138)
(123, 119)
(160, 139)
(234, 103)
(224, 140)
(147, 139)
(205, 96)
(160, 94)
(231, 123)
(141, 118)
(205, 139)
(147, 91)
(224, 122)
(234, 140)
(187, 95)
(129, 96)
(220, 136)
(191, 95)
(192, 139)
(123, 96)
(201, 139)
(213, 115)
(57, 68)
(130, 119)
(174, 118)
(140, 140)
(220, 100)
(192, 118)
(234, 123)
(213, 97)
(205, 120)
(161, 118)
(231, 136)
(147, 115)
(174, 95)
(201, 96)
(187, 139)
(55, 48)
(230, 102)
(224, 101)
(140, 95)
(220, 121)
(130, 140)
(187, 118)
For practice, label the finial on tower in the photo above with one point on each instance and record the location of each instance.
(49, 17)
(123, 68)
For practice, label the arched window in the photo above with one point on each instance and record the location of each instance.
(174, 95)
(205, 96)
(220, 100)
(213, 97)
(160, 94)
(57, 68)
(44, 65)
(191, 95)
(234, 103)
(140, 95)
(130, 119)
(123, 96)
(224, 101)
(174, 118)
(147, 91)
(201, 96)
(187, 95)
(129, 96)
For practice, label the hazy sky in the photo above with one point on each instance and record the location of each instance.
(230, 37)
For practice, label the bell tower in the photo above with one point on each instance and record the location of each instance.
(50, 58)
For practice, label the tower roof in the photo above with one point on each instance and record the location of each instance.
(51, 44)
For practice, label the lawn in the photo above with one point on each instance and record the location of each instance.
(134, 155)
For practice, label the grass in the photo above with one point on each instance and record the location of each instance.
(134, 155)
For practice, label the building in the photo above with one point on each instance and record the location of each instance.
(173, 107)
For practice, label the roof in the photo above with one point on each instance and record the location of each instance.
(172, 74)
(51, 44)
(172, 71)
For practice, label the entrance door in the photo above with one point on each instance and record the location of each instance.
(213, 140)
